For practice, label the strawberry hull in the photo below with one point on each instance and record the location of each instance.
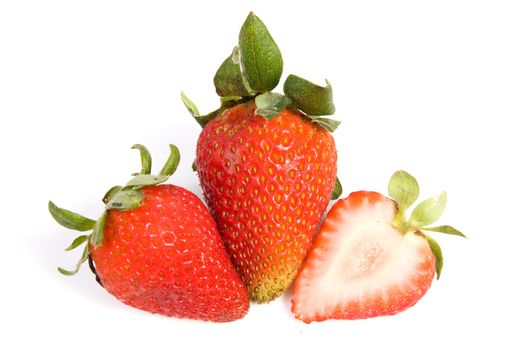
(267, 184)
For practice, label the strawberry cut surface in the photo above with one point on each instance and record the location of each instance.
(360, 266)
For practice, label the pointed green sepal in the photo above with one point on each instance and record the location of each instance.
(145, 158)
(172, 163)
(229, 80)
(145, 180)
(83, 258)
(69, 219)
(338, 189)
(77, 242)
(271, 104)
(428, 211)
(326, 123)
(438, 254)
(261, 60)
(128, 199)
(310, 98)
(111, 193)
(449, 230)
(192, 108)
(97, 236)
(404, 188)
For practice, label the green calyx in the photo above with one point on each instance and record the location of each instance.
(270, 104)
(313, 99)
(337, 191)
(122, 198)
(404, 189)
(253, 70)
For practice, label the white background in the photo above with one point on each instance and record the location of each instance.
(433, 87)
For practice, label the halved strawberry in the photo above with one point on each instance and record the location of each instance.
(367, 260)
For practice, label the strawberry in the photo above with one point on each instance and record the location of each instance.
(157, 248)
(266, 162)
(367, 259)
(267, 184)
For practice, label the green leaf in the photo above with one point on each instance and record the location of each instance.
(449, 230)
(83, 258)
(98, 232)
(271, 104)
(78, 241)
(261, 60)
(428, 211)
(192, 108)
(326, 123)
(111, 193)
(145, 158)
(338, 189)
(126, 200)
(172, 163)
(69, 219)
(404, 188)
(146, 180)
(201, 119)
(310, 98)
(438, 254)
(229, 80)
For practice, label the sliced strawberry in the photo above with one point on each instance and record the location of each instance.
(360, 265)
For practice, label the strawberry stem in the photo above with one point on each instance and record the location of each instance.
(400, 222)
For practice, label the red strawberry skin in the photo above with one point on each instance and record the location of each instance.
(360, 266)
(167, 257)
(267, 183)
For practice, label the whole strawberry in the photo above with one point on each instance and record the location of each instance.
(266, 162)
(157, 248)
